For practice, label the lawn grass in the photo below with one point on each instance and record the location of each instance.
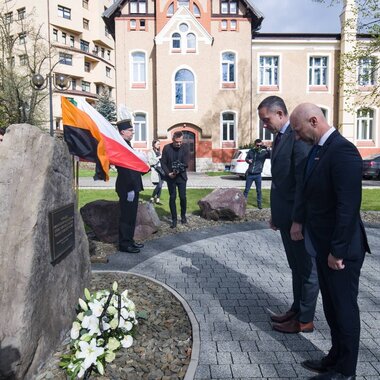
(370, 200)
(217, 174)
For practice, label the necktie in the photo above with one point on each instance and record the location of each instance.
(277, 140)
(311, 159)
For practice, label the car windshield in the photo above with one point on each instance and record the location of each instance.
(236, 154)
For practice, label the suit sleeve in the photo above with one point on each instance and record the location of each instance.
(346, 177)
(300, 154)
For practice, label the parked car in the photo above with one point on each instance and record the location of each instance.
(238, 165)
(371, 166)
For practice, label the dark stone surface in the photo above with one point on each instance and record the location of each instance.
(226, 204)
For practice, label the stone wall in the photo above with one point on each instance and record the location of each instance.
(37, 298)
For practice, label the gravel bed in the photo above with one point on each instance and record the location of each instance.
(163, 341)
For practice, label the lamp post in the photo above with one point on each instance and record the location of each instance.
(60, 81)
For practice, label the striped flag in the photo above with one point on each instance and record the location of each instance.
(93, 138)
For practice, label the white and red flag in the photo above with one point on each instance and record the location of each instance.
(93, 138)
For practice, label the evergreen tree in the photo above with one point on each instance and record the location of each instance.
(106, 106)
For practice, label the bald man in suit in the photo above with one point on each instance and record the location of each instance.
(334, 232)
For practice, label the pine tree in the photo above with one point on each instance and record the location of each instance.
(106, 106)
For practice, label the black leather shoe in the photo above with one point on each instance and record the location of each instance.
(320, 366)
(130, 249)
(332, 375)
(137, 245)
(184, 220)
(174, 224)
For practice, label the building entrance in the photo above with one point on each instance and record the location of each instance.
(189, 139)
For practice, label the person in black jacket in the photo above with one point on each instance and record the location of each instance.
(174, 161)
(128, 186)
(256, 157)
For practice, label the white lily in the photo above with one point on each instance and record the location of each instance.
(89, 352)
(74, 333)
(91, 323)
(96, 308)
(127, 341)
(128, 326)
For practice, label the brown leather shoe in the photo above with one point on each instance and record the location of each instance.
(281, 318)
(293, 327)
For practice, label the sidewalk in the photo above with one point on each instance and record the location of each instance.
(231, 277)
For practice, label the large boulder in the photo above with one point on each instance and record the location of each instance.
(37, 297)
(226, 204)
(102, 217)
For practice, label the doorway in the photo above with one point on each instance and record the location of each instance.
(189, 139)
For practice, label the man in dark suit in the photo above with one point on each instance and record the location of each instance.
(128, 186)
(174, 161)
(288, 159)
(334, 232)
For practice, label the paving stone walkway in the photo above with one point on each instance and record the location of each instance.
(232, 277)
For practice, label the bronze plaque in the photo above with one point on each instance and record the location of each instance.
(61, 232)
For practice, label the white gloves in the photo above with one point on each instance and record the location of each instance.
(130, 196)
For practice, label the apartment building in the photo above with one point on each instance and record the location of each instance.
(80, 45)
(203, 67)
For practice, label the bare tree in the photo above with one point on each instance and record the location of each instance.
(362, 62)
(23, 52)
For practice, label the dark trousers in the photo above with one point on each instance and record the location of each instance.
(339, 289)
(304, 277)
(248, 183)
(172, 187)
(127, 220)
(157, 190)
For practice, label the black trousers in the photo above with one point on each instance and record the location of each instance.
(339, 289)
(127, 220)
(172, 187)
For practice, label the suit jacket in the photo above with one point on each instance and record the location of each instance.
(288, 161)
(169, 155)
(332, 194)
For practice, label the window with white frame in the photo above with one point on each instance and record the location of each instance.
(366, 71)
(184, 88)
(137, 6)
(23, 59)
(364, 124)
(268, 68)
(22, 38)
(228, 67)
(176, 41)
(21, 13)
(170, 11)
(196, 10)
(228, 126)
(140, 127)
(183, 3)
(108, 72)
(65, 59)
(264, 133)
(191, 41)
(228, 6)
(318, 71)
(138, 68)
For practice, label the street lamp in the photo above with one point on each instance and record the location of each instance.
(60, 81)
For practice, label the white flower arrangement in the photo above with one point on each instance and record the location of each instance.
(105, 322)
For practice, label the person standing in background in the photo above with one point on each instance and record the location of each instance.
(174, 161)
(154, 160)
(255, 159)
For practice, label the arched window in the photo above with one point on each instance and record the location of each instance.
(364, 124)
(138, 68)
(170, 11)
(184, 87)
(176, 41)
(228, 126)
(140, 127)
(191, 41)
(228, 67)
(184, 3)
(196, 10)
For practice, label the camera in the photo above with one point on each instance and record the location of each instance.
(178, 167)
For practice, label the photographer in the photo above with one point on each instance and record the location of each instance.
(174, 160)
(256, 157)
